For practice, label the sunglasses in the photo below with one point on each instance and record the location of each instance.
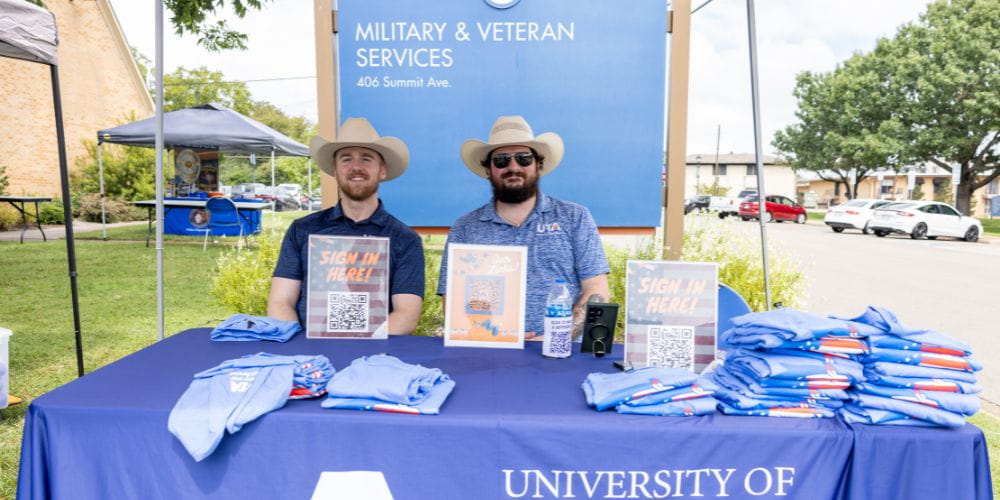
(502, 160)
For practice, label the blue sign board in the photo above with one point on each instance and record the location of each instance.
(435, 73)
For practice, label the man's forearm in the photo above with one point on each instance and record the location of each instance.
(592, 290)
(282, 311)
(403, 322)
(405, 313)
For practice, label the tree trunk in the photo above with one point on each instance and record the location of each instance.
(963, 200)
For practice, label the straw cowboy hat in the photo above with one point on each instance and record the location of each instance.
(357, 132)
(512, 131)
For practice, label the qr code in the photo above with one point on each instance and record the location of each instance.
(347, 312)
(484, 295)
(670, 346)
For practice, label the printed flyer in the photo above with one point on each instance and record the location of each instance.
(348, 289)
(671, 311)
(485, 296)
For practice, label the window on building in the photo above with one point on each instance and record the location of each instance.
(752, 169)
(719, 169)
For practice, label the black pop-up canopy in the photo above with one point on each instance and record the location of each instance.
(28, 32)
(210, 126)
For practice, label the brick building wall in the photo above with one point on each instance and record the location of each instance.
(100, 87)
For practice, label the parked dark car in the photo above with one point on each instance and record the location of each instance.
(699, 202)
(777, 208)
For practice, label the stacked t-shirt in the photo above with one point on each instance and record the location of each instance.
(237, 392)
(788, 363)
(912, 376)
(246, 328)
(669, 392)
(384, 383)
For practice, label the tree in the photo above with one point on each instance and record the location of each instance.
(946, 68)
(713, 189)
(845, 127)
(128, 171)
(193, 87)
(191, 16)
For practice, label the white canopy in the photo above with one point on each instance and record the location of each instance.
(27, 32)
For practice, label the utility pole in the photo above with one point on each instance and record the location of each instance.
(697, 176)
(679, 27)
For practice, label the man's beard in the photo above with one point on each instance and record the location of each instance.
(514, 194)
(357, 192)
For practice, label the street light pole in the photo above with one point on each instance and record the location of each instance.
(697, 176)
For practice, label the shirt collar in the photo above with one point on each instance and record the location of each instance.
(380, 217)
(542, 204)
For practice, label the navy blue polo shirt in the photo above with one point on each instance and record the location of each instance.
(406, 252)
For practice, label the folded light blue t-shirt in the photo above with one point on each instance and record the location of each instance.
(887, 368)
(966, 404)
(247, 328)
(919, 411)
(226, 397)
(701, 388)
(686, 408)
(607, 390)
(770, 328)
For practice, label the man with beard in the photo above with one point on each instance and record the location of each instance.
(359, 159)
(561, 236)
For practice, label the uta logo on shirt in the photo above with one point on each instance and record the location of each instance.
(548, 228)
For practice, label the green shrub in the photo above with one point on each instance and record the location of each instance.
(244, 278)
(432, 315)
(51, 212)
(129, 172)
(114, 210)
(9, 217)
(708, 239)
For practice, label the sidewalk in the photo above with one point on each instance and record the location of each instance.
(57, 232)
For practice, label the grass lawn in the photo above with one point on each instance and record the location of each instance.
(991, 226)
(816, 215)
(118, 313)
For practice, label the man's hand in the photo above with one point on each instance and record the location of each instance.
(597, 287)
(283, 298)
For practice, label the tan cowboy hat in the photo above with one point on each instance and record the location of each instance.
(357, 132)
(513, 131)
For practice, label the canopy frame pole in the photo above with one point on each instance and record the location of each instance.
(159, 170)
(761, 194)
(274, 191)
(309, 175)
(68, 216)
(100, 174)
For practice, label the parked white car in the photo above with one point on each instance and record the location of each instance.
(292, 189)
(729, 205)
(855, 214)
(924, 219)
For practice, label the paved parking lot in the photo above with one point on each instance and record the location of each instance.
(946, 285)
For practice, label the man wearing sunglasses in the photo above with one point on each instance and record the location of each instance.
(561, 236)
(359, 159)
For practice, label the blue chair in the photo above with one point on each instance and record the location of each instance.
(222, 213)
(731, 304)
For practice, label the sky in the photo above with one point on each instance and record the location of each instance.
(792, 36)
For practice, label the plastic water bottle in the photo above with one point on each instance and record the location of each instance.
(558, 341)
